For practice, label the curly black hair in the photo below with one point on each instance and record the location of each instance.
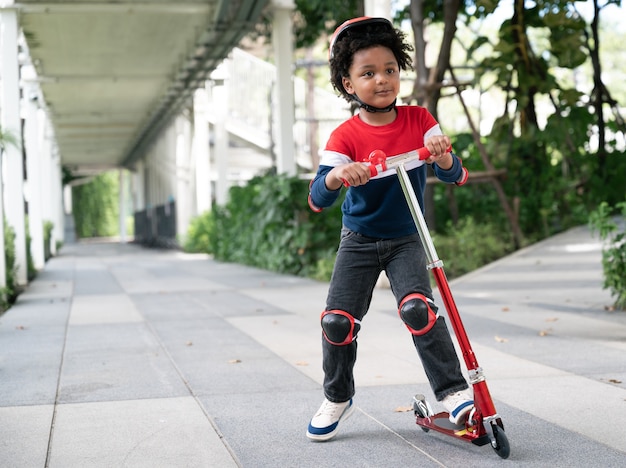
(364, 37)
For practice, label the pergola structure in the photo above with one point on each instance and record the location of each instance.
(94, 85)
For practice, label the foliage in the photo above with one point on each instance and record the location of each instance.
(48, 226)
(95, 207)
(614, 251)
(10, 291)
(8, 138)
(268, 224)
(470, 245)
(317, 15)
(199, 233)
(30, 265)
(314, 18)
(542, 137)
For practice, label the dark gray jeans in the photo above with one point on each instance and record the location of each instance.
(359, 262)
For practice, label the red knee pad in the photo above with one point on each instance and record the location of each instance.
(339, 327)
(417, 314)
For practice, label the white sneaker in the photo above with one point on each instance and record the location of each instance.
(458, 405)
(324, 424)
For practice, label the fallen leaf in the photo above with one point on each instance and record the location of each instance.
(501, 340)
(552, 319)
(302, 363)
(234, 361)
(615, 381)
(545, 332)
(403, 409)
(189, 343)
(505, 309)
(20, 327)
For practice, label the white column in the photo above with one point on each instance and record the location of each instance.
(45, 154)
(378, 8)
(139, 186)
(201, 151)
(185, 199)
(219, 106)
(34, 120)
(282, 41)
(58, 200)
(10, 123)
(122, 205)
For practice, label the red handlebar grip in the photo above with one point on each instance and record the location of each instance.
(425, 154)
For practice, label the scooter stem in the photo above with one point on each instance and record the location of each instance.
(481, 394)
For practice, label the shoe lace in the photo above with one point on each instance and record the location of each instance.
(453, 400)
(328, 409)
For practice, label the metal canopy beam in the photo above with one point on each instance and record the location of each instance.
(231, 22)
(113, 73)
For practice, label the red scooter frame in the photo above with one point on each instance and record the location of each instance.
(483, 424)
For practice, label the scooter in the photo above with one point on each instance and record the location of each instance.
(483, 425)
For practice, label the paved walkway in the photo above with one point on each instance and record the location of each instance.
(119, 356)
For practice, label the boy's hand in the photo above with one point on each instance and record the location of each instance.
(352, 174)
(438, 147)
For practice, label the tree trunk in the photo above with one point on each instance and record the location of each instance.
(518, 237)
(427, 85)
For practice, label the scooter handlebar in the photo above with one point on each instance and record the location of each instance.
(378, 161)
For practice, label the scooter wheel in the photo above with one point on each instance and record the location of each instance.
(501, 444)
(422, 409)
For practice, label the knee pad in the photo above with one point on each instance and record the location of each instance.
(416, 311)
(339, 327)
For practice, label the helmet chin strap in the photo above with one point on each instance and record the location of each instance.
(373, 109)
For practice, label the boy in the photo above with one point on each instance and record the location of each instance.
(366, 57)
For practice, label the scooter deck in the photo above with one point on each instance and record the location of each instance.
(439, 422)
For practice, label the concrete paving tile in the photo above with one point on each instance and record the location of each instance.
(567, 400)
(103, 308)
(32, 337)
(47, 289)
(24, 435)
(116, 362)
(171, 432)
(245, 344)
(95, 279)
(216, 358)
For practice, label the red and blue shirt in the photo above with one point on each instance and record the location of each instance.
(379, 209)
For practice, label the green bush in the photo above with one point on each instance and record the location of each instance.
(199, 233)
(268, 224)
(95, 206)
(470, 245)
(48, 226)
(30, 265)
(9, 292)
(614, 251)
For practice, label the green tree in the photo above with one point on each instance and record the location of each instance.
(557, 142)
(554, 170)
(95, 206)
